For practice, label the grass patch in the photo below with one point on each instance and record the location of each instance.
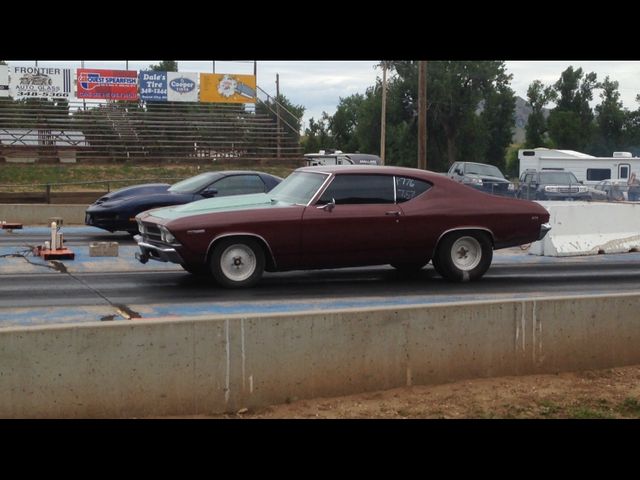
(32, 176)
(584, 413)
(630, 407)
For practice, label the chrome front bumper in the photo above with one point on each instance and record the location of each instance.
(153, 252)
(544, 229)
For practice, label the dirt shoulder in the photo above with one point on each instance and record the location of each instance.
(609, 393)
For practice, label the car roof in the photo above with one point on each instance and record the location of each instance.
(372, 169)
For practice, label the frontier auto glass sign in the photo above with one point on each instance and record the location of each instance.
(107, 84)
(43, 82)
(4, 80)
(168, 86)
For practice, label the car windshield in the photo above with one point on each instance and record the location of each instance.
(558, 177)
(299, 187)
(193, 184)
(486, 170)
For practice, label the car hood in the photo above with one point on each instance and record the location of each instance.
(488, 178)
(217, 204)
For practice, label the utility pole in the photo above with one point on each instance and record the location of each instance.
(383, 120)
(213, 66)
(127, 65)
(278, 111)
(422, 115)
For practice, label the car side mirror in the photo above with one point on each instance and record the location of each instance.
(328, 207)
(210, 192)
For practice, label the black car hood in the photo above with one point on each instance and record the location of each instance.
(134, 191)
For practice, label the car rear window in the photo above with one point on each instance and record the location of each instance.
(408, 188)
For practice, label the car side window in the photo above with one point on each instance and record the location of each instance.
(238, 185)
(359, 189)
(408, 188)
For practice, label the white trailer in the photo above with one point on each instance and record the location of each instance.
(588, 169)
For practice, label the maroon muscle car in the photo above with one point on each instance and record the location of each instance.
(342, 216)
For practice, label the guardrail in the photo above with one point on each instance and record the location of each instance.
(16, 194)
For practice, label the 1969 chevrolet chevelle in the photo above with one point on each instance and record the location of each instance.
(342, 216)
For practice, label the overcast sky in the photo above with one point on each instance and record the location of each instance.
(318, 85)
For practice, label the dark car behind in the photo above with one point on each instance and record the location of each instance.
(116, 211)
(483, 177)
(551, 185)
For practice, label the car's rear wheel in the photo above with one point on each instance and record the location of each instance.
(463, 256)
(237, 262)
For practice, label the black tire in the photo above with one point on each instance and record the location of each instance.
(196, 268)
(409, 268)
(463, 256)
(237, 262)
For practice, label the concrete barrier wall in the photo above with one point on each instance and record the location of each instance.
(39, 214)
(583, 228)
(210, 365)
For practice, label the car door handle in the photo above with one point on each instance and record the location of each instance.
(395, 213)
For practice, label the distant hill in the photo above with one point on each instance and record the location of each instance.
(521, 115)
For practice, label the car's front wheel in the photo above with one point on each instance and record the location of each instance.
(463, 256)
(237, 262)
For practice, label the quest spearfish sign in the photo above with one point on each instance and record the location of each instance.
(39, 82)
(168, 86)
(107, 84)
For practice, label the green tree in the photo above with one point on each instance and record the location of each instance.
(610, 119)
(538, 96)
(165, 66)
(317, 135)
(344, 122)
(571, 123)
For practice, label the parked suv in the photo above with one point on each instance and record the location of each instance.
(481, 176)
(551, 185)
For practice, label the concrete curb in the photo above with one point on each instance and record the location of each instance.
(215, 364)
(39, 214)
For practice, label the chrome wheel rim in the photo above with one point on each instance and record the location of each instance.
(466, 253)
(238, 262)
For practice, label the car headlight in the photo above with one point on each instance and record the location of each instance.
(166, 236)
(582, 189)
(474, 181)
(511, 187)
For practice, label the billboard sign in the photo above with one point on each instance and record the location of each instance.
(39, 82)
(107, 84)
(182, 87)
(153, 86)
(4, 80)
(168, 86)
(227, 88)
